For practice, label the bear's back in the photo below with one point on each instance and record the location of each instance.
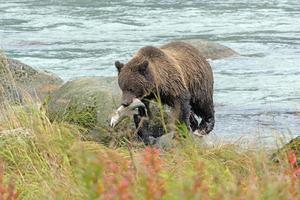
(180, 63)
(184, 54)
(196, 70)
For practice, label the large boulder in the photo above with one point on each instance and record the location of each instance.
(212, 50)
(18, 80)
(88, 102)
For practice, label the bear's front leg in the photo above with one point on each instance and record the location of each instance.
(142, 128)
(183, 110)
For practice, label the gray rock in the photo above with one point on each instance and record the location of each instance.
(18, 80)
(88, 102)
(212, 50)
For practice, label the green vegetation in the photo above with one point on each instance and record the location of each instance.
(85, 118)
(50, 160)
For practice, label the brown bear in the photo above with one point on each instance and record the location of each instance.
(178, 74)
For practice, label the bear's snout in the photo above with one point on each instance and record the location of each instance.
(127, 99)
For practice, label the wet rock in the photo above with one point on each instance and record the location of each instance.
(88, 102)
(212, 50)
(19, 80)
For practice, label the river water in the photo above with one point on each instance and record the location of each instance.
(257, 95)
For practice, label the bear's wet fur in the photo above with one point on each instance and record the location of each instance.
(178, 75)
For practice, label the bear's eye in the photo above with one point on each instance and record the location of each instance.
(130, 90)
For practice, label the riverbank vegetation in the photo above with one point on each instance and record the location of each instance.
(53, 160)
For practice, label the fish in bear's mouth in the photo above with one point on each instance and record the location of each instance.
(123, 111)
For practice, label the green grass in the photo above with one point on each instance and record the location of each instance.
(51, 160)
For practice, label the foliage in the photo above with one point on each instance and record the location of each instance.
(49, 160)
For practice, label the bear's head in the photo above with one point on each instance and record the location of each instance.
(135, 80)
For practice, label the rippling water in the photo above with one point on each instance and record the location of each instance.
(255, 94)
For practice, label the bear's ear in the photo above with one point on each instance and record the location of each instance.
(119, 66)
(143, 67)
